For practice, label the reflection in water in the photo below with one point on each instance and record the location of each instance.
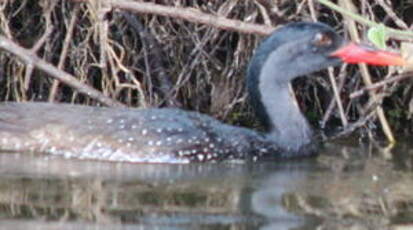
(267, 199)
(39, 192)
(54, 191)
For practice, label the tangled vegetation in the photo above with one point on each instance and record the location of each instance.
(159, 57)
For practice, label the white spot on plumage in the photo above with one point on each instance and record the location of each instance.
(200, 157)
(144, 132)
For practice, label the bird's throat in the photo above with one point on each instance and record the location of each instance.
(288, 127)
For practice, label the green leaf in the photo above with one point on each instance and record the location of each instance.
(378, 36)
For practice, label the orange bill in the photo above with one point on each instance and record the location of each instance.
(353, 53)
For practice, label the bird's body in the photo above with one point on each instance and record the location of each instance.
(132, 135)
(178, 136)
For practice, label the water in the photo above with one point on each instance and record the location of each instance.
(346, 186)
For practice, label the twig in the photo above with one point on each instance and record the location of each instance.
(313, 12)
(334, 101)
(31, 59)
(191, 14)
(272, 12)
(43, 38)
(155, 64)
(338, 101)
(399, 34)
(366, 75)
(392, 15)
(27, 77)
(353, 126)
(48, 30)
(379, 84)
(63, 54)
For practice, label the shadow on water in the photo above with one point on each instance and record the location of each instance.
(344, 187)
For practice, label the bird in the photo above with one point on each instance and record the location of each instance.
(170, 135)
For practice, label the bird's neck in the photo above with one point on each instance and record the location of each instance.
(287, 126)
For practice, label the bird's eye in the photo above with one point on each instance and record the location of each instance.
(322, 40)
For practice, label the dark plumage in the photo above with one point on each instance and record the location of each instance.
(177, 136)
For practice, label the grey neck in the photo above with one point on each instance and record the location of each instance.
(287, 126)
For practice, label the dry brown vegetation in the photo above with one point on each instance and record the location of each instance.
(181, 59)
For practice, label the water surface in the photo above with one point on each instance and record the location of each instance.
(345, 186)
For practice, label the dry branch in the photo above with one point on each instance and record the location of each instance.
(31, 59)
(155, 60)
(380, 84)
(366, 75)
(192, 15)
(63, 55)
